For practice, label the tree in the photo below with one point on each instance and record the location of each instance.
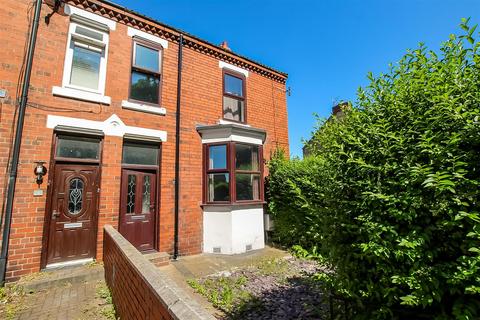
(393, 202)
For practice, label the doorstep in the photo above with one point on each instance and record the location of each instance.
(159, 259)
(60, 277)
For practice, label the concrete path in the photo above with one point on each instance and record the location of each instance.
(207, 264)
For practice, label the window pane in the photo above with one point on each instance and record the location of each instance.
(233, 85)
(145, 87)
(147, 58)
(85, 68)
(75, 196)
(78, 148)
(140, 154)
(89, 33)
(146, 194)
(247, 186)
(233, 109)
(246, 157)
(218, 187)
(217, 157)
(131, 189)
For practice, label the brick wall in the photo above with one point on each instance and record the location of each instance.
(201, 104)
(139, 290)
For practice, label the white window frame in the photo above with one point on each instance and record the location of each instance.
(92, 44)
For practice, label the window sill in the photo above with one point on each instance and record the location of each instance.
(225, 121)
(236, 204)
(81, 95)
(143, 107)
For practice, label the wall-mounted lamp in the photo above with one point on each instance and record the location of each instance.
(40, 171)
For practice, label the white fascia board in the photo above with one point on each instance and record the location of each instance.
(113, 126)
(232, 67)
(112, 25)
(132, 32)
(234, 138)
(228, 133)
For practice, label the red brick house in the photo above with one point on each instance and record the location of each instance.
(102, 118)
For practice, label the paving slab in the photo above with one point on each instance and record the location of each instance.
(64, 294)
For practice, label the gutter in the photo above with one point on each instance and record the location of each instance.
(177, 146)
(190, 36)
(17, 143)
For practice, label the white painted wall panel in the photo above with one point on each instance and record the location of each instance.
(233, 228)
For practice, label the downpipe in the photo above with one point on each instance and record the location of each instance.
(12, 179)
(177, 147)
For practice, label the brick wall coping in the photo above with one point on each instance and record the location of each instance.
(179, 305)
(115, 12)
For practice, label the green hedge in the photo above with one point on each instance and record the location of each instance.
(390, 196)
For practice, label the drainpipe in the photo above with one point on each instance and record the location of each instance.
(17, 143)
(177, 147)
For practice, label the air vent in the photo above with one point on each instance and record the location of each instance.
(248, 247)
(217, 249)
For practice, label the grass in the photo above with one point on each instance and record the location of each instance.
(277, 266)
(224, 293)
(11, 301)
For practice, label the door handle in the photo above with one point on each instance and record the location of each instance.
(55, 214)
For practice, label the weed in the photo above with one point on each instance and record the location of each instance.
(108, 309)
(276, 266)
(94, 264)
(225, 293)
(10, 301)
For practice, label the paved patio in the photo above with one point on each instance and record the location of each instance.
(70, 294)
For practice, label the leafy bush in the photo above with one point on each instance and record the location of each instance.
(390, 196)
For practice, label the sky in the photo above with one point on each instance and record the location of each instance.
(327, 46)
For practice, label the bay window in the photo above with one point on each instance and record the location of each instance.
(233, 173)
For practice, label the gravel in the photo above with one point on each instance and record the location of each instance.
(279, 289)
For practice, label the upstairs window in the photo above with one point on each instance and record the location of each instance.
(233, 96)
(85, 63)
(145, 78)
(233, 173)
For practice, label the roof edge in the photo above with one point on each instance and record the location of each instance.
(120, 14)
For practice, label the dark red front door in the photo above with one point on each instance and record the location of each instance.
(137, 213)
(72, 233)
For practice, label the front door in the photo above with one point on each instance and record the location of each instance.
(72, 233)
(137, 213)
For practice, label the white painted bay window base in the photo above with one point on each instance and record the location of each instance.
(233, 229)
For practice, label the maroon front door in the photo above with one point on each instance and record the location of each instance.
(137, 213)
(72, 233)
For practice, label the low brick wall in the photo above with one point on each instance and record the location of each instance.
(139, 289)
